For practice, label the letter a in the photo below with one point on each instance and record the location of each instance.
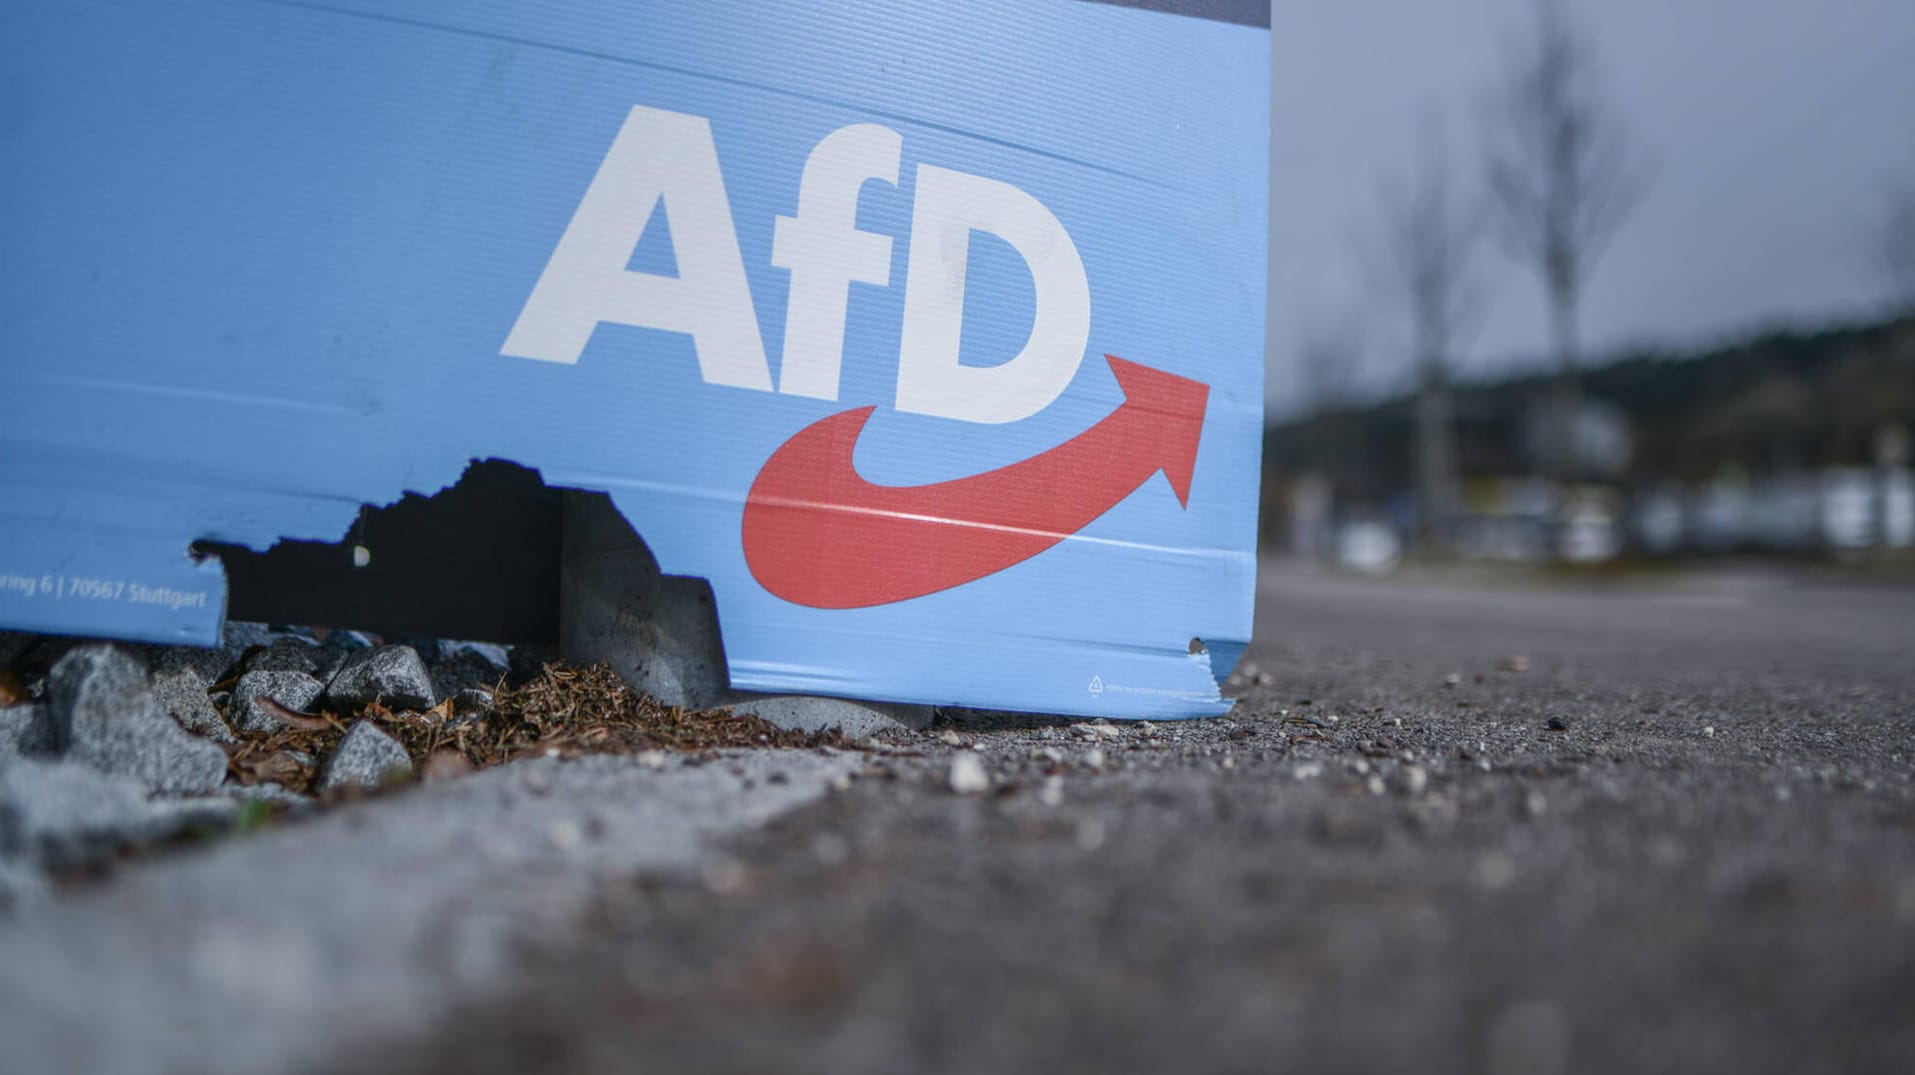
(658, 157)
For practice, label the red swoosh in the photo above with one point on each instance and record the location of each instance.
(817, 534)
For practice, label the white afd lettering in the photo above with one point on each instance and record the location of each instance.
(949, 207)
(658, 157)
(668, 158)
(824, 251)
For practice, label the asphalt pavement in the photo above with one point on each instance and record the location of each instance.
(1459, 822)
(1490, 823)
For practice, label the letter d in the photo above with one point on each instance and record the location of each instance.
(949, 206)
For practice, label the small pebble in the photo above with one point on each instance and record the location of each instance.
(1375, 784)
(1416, 779)
(1308, 770)
(1094, 757)
(1452, 680)
(1557, 724)
(949, 738)
(967, 775)
(1052, 793)
(1709, 731)
(1495, 870)
(652, 759)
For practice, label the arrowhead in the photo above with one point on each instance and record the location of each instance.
(1171, 409)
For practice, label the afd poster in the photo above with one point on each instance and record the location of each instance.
(930, 334)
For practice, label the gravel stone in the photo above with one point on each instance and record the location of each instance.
(294, 690)
(182, 693)
(286, 653)
(235, 640)
(337, 648)
(473, 702)
(210, 663)
(457, 666)
(25, 730)
(104, 713)
(392, 674)
(365, 758)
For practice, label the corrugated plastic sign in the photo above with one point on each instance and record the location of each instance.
(930, 334)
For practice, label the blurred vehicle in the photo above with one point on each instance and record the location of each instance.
(1368, 544)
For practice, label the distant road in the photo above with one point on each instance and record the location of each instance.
(1711, 627)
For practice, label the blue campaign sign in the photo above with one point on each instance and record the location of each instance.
(931, 334)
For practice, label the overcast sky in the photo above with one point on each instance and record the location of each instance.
(1774, 128)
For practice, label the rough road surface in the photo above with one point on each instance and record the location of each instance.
(1681, 839)
(1663, 827)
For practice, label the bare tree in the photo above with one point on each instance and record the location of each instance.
(1896, 244)
(1430, 242)
(1563, 178)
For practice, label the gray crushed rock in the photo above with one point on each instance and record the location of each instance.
(466, 671)
(25, 730)
(182, 693)
(240, 636)
(394, 675)
(336, 648)
(294, 690)
(473, 702)
(208, 663)
(365, 758)
(104, 713)
(285, 653)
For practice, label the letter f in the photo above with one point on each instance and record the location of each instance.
(825, 251)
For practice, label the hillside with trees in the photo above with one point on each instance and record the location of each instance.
(1777, 402)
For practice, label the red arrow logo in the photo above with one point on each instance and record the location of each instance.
(817, 534)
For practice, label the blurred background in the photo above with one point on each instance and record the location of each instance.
(1565, 282)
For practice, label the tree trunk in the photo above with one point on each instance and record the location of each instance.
(1435, 458)
(1565, 466)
